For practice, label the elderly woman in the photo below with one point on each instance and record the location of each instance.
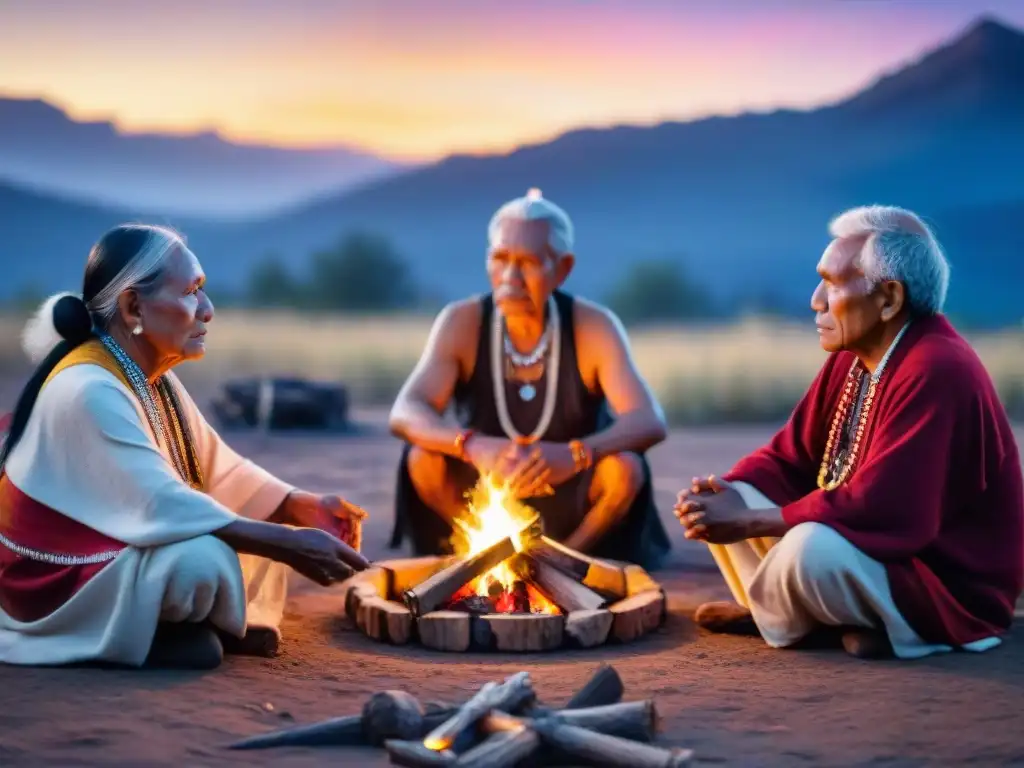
(130, 533)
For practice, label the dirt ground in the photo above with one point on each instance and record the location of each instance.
(732, 700)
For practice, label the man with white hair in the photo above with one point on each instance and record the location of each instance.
(889, 508)
(547, 396)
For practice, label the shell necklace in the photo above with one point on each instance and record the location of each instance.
(498, 351)
(850, 420)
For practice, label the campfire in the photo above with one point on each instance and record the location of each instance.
(502, 725)
(507, 588)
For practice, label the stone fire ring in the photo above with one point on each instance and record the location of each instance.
(636, 607)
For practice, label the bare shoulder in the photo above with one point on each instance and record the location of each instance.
(455, 334)
(597, 323)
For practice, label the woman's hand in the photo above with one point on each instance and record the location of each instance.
(329, 513)
(320, 557)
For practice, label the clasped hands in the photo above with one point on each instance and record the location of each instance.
(712, 510)
(529, 471)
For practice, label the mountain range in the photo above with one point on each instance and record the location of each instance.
(741, 203)
(199, 174)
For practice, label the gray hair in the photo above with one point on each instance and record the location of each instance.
(899, 246)
(141, 273)
(534, 207)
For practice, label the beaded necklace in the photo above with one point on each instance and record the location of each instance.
(497, 352)
(846, 435)
(163, 412)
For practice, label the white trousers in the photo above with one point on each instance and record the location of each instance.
(115, 615)
(812, 576)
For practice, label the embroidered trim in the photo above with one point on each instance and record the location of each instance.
(55, 559)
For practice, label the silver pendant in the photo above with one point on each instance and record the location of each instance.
(527, 392)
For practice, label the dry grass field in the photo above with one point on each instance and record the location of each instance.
(752, 370)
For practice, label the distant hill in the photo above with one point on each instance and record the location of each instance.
(741, 202)
(43, 148)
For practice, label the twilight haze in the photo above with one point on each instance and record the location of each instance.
(418, 79)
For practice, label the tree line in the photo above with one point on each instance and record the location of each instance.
(364, 273)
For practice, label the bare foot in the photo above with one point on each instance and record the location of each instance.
(185, 646)
(867, 644)
(726, 618)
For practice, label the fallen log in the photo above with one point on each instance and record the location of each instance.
(602, 750)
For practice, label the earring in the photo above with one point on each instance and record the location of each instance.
(137, 330)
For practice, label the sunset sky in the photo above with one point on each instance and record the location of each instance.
(417, 79)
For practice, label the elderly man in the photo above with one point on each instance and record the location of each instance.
(889, 508)
(534, 375)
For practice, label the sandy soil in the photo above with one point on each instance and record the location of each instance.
(731, 699)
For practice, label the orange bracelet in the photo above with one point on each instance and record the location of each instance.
(460, 443)
(582, 456)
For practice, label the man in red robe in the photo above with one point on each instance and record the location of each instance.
(890, 506)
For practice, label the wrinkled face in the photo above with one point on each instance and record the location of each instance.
(523, 269)
(847, 314)
(174, 317)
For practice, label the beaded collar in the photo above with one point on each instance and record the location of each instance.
(164, 414)
(846, 435)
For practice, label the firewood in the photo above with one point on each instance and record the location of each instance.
(384, 620)
(444, 630)
(414, 754)
(501, 750)
(588, 629)
(520, 632)
(599, 749)
(636, 616)
(373, 582)
(406, 573)
(600, 575)
(436, 590)
(636, 720)
(515, 692)
(391, 715)
(604, 687)
(338, 731)
(564, 591)
(638, 580)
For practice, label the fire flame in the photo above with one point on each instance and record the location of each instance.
(492, 514)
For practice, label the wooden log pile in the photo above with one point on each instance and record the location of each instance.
(500, 726)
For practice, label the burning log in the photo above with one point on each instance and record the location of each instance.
(636, 720)
(439, 588)
(567, 593)
(600, 575)
(517, 691)
(594, 748)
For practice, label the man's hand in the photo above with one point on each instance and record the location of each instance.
(538, 468)
(487, 454)
(332, 514)
(713, 511)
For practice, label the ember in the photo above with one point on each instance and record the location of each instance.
(522, 598)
